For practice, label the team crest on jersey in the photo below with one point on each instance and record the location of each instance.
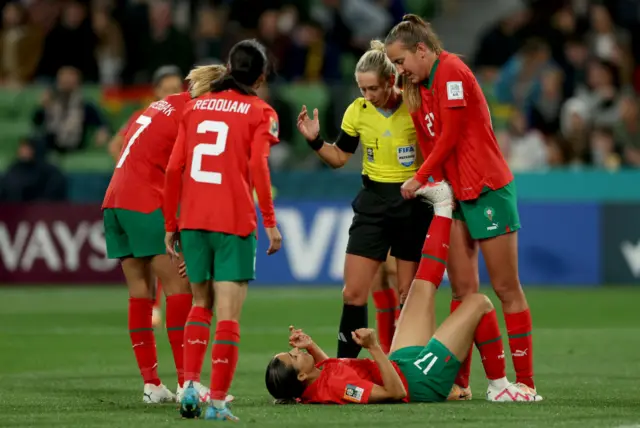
(406, 155)
(370, 154)
(454, 91)
(353, 393)
(274, 129)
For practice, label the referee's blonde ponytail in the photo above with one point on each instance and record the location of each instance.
(375, 60)
(200, 78)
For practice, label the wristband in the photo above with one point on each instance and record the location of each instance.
(316, 144)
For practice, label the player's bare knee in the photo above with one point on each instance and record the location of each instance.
(479, 301)
(202, 295)
(508, 291)
(355, 295)
(462, 287)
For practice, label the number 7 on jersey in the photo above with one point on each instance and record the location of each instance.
(143, 121)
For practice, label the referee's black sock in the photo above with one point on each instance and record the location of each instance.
(353, 318)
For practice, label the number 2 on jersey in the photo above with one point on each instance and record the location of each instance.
(419, 363)
(206, 149)
(429, 118)
(143, 121)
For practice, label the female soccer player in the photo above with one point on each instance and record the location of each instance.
(134, 233)
(383, 221)
(219, 157)
(453, 123)
(424, 360)
(166, 80)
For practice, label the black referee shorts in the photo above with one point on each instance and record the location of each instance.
(384, 221)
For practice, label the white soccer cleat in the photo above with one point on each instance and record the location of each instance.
(527, 388)
(511, 394)
(439, 193)
(154, 394)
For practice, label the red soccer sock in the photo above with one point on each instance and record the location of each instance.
(489, 342)
(435, 251)
(197, 331)
(178, 307)
(224, 358)
(158, 302)
(521, 344)
(462, 379)
(142, 339)
(386, 302)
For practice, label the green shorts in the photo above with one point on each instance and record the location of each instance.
(430, 371)
(133, 234)
(218, 256)
(493, 213)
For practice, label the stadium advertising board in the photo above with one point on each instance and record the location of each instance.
(64, 244)
(621, 243)
(61, 244)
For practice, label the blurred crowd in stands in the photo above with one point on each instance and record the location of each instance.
(561, 76)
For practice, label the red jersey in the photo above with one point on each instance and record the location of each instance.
(138, 178)
(455, 124)
(345, 381)
(219, 157)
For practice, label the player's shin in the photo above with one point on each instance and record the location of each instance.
(178, 309)
(435, 250)
(197, 331)
(385, 300)
(519, 328)
(489, 342)
(462, 379)
(142, 338)
(224, 358)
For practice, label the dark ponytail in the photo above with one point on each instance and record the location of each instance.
(283, 383)
(247, 63)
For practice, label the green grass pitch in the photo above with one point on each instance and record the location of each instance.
(66, 361)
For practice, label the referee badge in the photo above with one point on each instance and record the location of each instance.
(370, 157)
(406, 155)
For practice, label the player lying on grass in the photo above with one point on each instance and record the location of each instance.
(219, 158)
(423, 362)
(453, 125)
(134, 233)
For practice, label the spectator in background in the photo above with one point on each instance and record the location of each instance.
(110, 47)
(311, 58)
(605, 38)
(30, 178)
(505, 34)
(208, 36)
(71, 42)
(575, 65)
(545, 110)
(519, 82)
(627, 130)
(524, 149)
(273, 29)
(602, 95)
(604, 153)
(20, 46)
(164, 43)
(65, 117)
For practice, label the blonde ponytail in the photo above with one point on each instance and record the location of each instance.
(201, 77)
(375, 60)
